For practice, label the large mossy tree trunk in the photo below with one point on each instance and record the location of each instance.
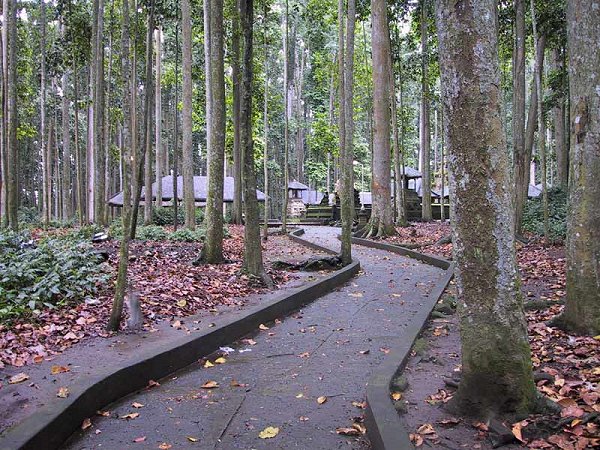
(582, 310)
(186, 119)
(496, 358)
(382, 215)
(253, 260)
(212, 252)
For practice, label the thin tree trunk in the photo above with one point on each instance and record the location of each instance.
(347, 153)
(382, 216)
(286, 124)
(496, 370)
(176, 127)
(253, 260)
(582, 310)
(236, 216)
(79, 160)
(212, 252)
(66, 154)
(442, 170)
(188, 156)
(126, 167)
(11, 116)
(148, 131)
(99, 143)
(147, 127)
(208, 82)
(158, 119)
(562, 154)
(4, 144)
(398, 172)
(266, 127)
(538, 75)
(46, 182)
(424, 131)
(521, 163)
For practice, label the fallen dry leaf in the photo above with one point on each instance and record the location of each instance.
(137, 440)
(164, 446)
(192, 439)
(396, 396)
(54, 370)
(86, 423)
(268, 433)
(347, 431)
(361, 405)
(210, 385)
(263, 327)
(63, 392)
(220, 360)
(137, 405)
(322, 399)
(208, 364)
(355, 294)
(426, 428)
(18, 378)
(130, 416)
(416, 439)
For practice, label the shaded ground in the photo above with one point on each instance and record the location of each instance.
(168, 314)
(567, 368)
(304, 375)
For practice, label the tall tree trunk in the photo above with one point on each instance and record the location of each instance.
(187, 149)
(12, 198)
(538, 76)
(382, 216)
(266, 127)
(99, 143)
(496, 359)
(147, 127)
(176, 128)
(253, 260)
(66, 154)
(46, 182)
(126, 167)
(582, 310)
(400, 202)
(286, 119)
(208, 82)
(159, 168)
(442, 170)
(523, 160)
(521, 163)
(562, 153)
(424, 131)
(79, 159)
(347, 151)
(4, 137)
(237, 147)
(212, 252)
(148, 131)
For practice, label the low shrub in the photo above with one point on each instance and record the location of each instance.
(165, 216)
(151, 233)
(51, 273)
(533, 216)
(185, 235)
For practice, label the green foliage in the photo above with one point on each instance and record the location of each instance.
(166, 216)
(55, 272)
(29, 215)
(185, 235)
(533, 217)
(151, 233)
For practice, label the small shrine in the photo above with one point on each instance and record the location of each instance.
(296, 207)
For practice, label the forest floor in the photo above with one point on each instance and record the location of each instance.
(176, 297)
(566, 367)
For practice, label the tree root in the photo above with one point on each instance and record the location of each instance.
(312, 264)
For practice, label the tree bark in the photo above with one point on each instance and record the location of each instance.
(400, 203)
(66, 154)
(521, 163)
(253, 260)
(148, 132)
(212, 252)
(46, 172)
(382, 217)
(496, 358)
(424, 126)
(236, 216)
(562, 153)
(128, 85)
(286, 120)
(160, 153)
(99, 143)
(266, 128)
(582, 309)
(347, 151)
(208, 83)
(11, 117)
(522, 160)
(187, 150)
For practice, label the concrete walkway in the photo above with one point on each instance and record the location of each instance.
(328, 349)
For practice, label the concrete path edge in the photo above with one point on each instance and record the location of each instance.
(384, 428)
(52, 425)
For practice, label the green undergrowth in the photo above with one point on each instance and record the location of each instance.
(158, 233)
(533, 216)
(51, 272)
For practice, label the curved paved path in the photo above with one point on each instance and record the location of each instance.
(329, 348)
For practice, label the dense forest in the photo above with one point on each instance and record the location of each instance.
(490, 102)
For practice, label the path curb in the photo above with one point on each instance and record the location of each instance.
(384, 428)
(52, 425)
